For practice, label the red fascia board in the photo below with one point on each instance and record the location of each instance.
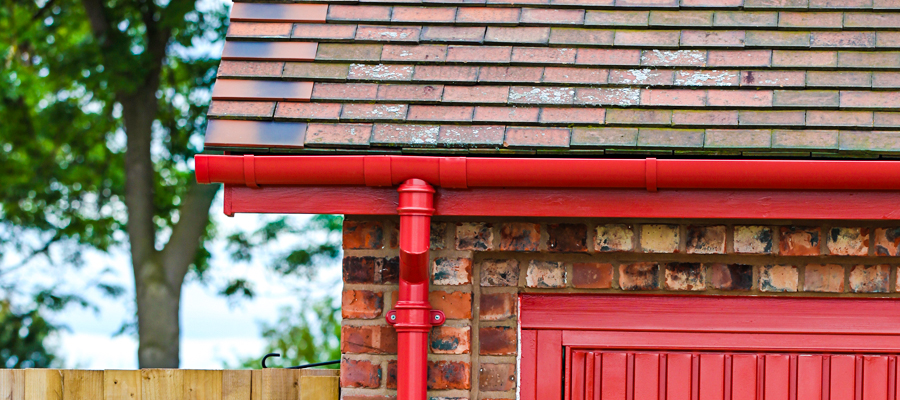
(471, 172)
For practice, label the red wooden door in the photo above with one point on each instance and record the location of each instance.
(708, 348)
(621, 375)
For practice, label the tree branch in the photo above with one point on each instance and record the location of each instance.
(97, 17)
(182, 247)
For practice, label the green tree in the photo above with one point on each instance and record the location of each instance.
(102, 103)
(23, 338)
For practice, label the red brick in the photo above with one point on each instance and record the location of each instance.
(674, 58)
(673, 97)
(869, 278)
(471, 136)
(647, 38)
(536, 137)
(487, 15)
(497, 341)
(249, 68)
(476, 94)
(685, 276)
(368, 339)
(592, 275)
(811, 20)
(500, 272)
(323, 32)
(731, 277)
(348, 52)
(242, 109)
(317, 71)
(581, 37)
(707, 78)
(545, 16)
(449, 73)
(806, 59)
(427, 15)
(405, 135)
(776, 39)
(824, 278)
(848, 241)
(374, 112)
(567, 116)
(497, 306)
(877, 60)
(740, 98)
(712, 38)
(712, 3)
(380, 72)
(646, 3)
(363, 235)
(839, 79)
(259, 30)
(615, 237)
(871, 20)
(839, 118)
(552, 55)
(778, 278)
(347, 135)
(639, 276)
(520, 236)
(440, 113)
(681, 18)
(865, 99)
(363, 304)
(574, 75)
(742, 19)
(637, 117)
(387, 33)
(799, 241)
(337, 12)
(616, 18)
(567, 238)
(608, 96)
(476, 236)
(772, 118)
(506, 114)
(344, 91)
(774, 78)
(608, 57)
(510, 74)
(705, 239)
(704, 118)
(486, 54)
(883, 79)
(414, 53)
(525, 35)
(410, 92)
(451, 340)
(806, 98)
(448, 375)
(497, 377)
(842, 39)
(641, 77)
(887, 241)
(541, 95)
(454, 305)
(739, 58)
(545, 274)
(291, 110)
(360, 374)
(453, 34)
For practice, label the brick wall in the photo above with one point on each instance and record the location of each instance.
(479, 267)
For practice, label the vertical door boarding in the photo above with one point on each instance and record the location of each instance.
(578, 347)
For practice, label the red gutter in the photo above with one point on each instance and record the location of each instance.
(465, 172)
(413, 316)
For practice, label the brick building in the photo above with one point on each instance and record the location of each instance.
(805, 91)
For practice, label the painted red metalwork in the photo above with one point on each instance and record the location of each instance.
(413, 317)
(709, 347)
(470, 172)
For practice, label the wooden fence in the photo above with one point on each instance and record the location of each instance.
(169, 384)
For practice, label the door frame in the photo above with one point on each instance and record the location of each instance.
(552, 325)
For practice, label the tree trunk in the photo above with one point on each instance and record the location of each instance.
(158, 304)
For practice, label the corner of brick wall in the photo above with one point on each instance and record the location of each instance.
(479, 268)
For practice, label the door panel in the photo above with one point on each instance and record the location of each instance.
(621, 375)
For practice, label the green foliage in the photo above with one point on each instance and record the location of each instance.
(23, 338)
(303, 336)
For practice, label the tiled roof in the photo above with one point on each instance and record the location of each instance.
(793, 78)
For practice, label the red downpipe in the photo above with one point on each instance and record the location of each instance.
(413, 317)
(465, 172)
